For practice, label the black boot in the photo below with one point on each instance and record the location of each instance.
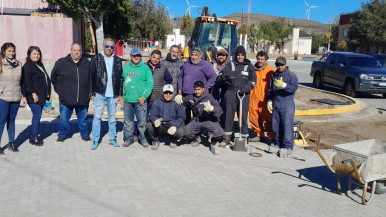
(1, 151)
(226, 140)
(40, 141)
(12, 147)
(33, 139)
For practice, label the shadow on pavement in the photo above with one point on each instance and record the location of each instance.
(319, 178)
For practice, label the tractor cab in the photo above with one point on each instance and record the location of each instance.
(210, 32)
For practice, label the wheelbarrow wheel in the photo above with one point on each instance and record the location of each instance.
(380, 187)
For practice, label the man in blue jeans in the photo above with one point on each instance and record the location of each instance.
(71, 77)
(106, 87)
(138, 85)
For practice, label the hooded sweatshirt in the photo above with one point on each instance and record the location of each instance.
(137, 81)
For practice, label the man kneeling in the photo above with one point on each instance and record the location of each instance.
(166, 118)
(207, 112)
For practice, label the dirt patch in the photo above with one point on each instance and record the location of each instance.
(305, 95)
(340, 128)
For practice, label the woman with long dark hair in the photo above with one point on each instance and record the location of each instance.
(37, 88)
(10, 92)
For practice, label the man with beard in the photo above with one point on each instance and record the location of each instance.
(161, 76)
(259, 116)
(173, 64)
(195, 69)
(219, 87)
(240, 78)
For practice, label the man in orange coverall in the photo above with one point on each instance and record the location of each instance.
(259, 116)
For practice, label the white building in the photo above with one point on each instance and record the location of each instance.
(175, 39)
(301, 45)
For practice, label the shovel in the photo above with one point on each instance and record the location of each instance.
(240, 144)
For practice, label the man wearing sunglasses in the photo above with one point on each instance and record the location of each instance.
(282, 88)
(138, 85)
(105, 88)
(220, 86)
(166, 117)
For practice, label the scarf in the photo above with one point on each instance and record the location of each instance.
(12, 62)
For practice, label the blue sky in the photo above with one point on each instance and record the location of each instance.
(284, 8)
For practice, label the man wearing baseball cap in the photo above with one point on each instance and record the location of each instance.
(138, 85)
(166, 117)
(282, 88)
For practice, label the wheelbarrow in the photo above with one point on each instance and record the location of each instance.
(365, 164)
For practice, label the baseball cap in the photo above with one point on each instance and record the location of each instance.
(168, 87)
(281, 61)
(135, 51)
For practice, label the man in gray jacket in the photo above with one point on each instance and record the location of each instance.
(173, 64)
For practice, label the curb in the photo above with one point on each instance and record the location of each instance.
(343, 109)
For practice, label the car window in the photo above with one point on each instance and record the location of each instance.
(332, 60)
(363, 62)
(340, 60)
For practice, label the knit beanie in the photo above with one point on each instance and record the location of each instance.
(240, 49)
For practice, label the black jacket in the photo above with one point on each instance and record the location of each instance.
(98, 75)
(71, 80)
(236, 78)
(36, 81)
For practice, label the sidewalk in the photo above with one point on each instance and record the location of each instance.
(71, 180)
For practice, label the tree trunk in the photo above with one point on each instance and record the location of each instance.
(93, 46)
(99, 33)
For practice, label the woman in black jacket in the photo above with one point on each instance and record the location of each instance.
(37, 90)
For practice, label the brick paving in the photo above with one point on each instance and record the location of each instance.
(69, 179)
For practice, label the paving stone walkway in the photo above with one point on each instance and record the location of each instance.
(70, 180)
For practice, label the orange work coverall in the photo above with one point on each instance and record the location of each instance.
(259, 116)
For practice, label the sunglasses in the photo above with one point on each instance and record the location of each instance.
(221, 55)
(136, 55)
(168, 92)
(111, 47)
(277, 64)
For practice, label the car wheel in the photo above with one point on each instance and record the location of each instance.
(349, 89)
(318, 81)
(380, 187)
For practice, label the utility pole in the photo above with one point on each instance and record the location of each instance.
(330, 33)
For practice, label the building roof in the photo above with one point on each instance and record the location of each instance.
(344, 19)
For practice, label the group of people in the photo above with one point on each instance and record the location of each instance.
(179, 99)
